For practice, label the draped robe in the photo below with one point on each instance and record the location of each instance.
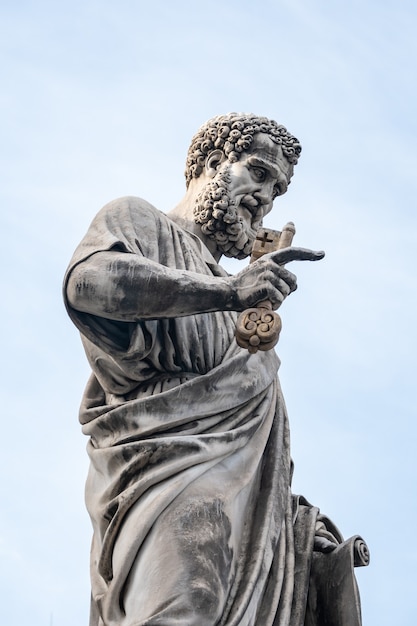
(189, 482)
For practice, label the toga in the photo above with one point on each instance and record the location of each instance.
(189, 482)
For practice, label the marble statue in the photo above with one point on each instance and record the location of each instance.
(189, 487)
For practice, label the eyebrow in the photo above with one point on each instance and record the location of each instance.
(258, 161)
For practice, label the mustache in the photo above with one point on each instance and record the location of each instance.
(255, 207)
(251, 203)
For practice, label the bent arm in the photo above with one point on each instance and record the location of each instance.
(125, 287)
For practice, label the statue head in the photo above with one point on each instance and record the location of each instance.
(233, 134)
(246, 162)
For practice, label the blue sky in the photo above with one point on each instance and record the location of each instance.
(100, 100)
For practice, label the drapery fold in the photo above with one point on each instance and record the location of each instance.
(189, 481)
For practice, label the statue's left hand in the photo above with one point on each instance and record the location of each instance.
(321, 544)
(324, 540)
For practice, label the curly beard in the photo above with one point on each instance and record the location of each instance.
(218, 218)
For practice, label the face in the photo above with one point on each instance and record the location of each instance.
(231, 206)
(262, 174)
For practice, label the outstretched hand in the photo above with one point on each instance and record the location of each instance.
(267, 279)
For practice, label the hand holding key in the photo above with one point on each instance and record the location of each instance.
(258, 328)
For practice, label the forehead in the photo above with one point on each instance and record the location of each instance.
(271, 153)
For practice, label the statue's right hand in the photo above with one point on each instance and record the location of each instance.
(262, 280)
(267, 279)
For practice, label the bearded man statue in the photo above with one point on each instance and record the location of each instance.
(189, 488)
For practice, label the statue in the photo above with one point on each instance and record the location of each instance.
(189, 488)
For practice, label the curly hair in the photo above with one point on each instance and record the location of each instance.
(233, 134)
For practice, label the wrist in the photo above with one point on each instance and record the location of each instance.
(230, 296)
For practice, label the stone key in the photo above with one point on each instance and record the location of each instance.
(259, 328)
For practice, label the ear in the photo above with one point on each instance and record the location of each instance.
(213, 162)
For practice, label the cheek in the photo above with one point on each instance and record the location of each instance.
(243, 185)
(239, 178)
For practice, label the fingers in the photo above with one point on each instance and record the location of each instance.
(288, 278)
(321, 544)
(275, 283)
(263, 280)
(267, 279)
(286, 255)
(267, 269)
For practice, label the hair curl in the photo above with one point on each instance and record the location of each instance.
(233, 134)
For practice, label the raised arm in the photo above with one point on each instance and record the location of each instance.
(125, 287)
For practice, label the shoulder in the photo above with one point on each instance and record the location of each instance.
(129, 208)
(126, 221)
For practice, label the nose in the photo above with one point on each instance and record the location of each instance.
(264, 196)
(265, 192)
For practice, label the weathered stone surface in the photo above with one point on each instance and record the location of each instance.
(189, 484)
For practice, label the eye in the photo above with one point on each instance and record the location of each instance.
(259, 174)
